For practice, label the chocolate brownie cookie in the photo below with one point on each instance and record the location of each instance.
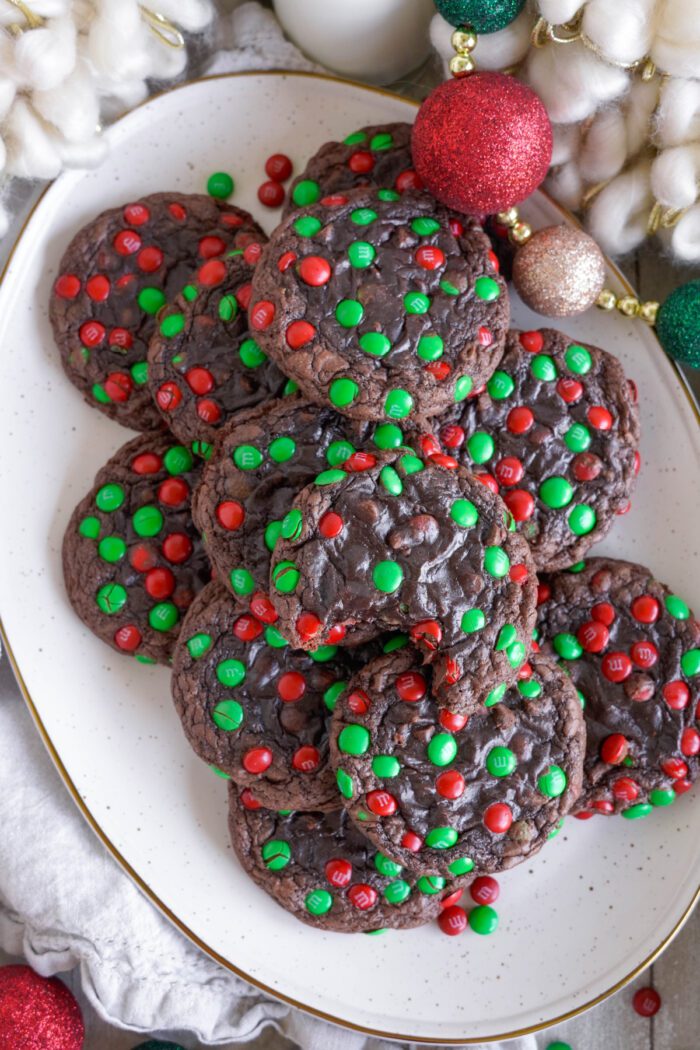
(321, 869)
(453, 796)
(415, 546)
(555, 432)
(264, 456)
(203, 364)
(254, 708)
(380, 306)
(379, 155)
(115, 276)
(632, 649)
(132, 558)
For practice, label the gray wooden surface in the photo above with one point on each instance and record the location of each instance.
(676, 975)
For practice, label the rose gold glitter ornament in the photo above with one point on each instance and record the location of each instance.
(37, 1013)
(560, 271)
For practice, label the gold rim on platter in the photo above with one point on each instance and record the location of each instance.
(112, 849)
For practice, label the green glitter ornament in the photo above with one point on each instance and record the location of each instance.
(483, 16)
(678, 324)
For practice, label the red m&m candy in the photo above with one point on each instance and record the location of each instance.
(646, 1002)
(452, 921)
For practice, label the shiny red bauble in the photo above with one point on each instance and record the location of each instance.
(37, 1013)
(482, 143)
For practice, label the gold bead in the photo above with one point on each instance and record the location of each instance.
(460, 65)
(520, 233)
(507, 218)
(463, 40)
(607, 300)
(648, 311)
(628, 305)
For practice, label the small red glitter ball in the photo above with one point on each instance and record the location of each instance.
(36, 1013)
(482, 143)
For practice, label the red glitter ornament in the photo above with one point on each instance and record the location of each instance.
(36, 1013)
(482, 143)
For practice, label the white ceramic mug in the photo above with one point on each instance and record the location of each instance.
(374, 40)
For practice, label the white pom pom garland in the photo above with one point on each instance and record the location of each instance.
(67, 65)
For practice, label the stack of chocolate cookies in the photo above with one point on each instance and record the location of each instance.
(354, 524)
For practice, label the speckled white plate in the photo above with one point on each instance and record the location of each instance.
(600, 900)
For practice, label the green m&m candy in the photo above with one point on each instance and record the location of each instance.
(464, 513)
(375, 344)
(276, 854)
(416, 303)
(318, 902)
(676, 607)
(111, 548)
(353, 740)
(111, 598)
(361, 254)
(441, 838)
(147, 521)
(567, 646)
(463, 388)
(363, 216)
(388, 435)
(228, 715)
(496, 562)
(349, 312)
(164, 616)
(306, 192)
(220, 185)
(480, 446)
(89, 527)
(582, 519)
(501, 762)
(487, 289)
(473, 620)
(556, 492)
(110, 497)
(199, 645)
(552, 783)
(338, 451)
(483, 919)
(151, 300)
(430, 347)
(385, 766)
(342, 392)
(398, 404)
(230, 672)
(387, 576)
(431, 884)
(242, 583)
(281, 449)
(285, 577)
(442, 749)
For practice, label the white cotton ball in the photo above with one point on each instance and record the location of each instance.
(558, 11)
(678, 112)
(190, 15)
(493, 50)
(31, 149)
(674, 176)
(566, 185)
(507, 47)
(684, 237)
(639, 108)
(566, 143)
(604, 147)
(72, 107)
(117, 41)
(44, 57)
(618, 215)
(676, 47)
(88, 154)
(572, 81)
(622, 29)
